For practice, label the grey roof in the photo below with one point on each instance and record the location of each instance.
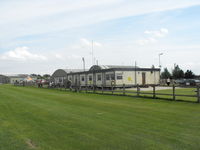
(19, 76)
(73, 70)
(116, 66)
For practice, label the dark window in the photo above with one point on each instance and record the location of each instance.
(107, 77)
(90, 78)
(99, 77)
(82, 78)
(119, 77)
(112, 77)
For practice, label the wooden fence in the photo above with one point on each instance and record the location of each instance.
(137, 92)
(154, 93)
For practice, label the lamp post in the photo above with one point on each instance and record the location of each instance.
(83, 59)
(160, 54)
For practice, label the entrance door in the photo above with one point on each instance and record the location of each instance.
(143, 78)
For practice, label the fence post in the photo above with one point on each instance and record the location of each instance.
(198, 95)
(86, 89)
(154, 91)
(80, 88)
(123, 89)
(138, 90)
(174, 96)
(102, 89)
(112, 90)
(93, 89)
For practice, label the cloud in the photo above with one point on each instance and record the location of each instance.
(21, 54)
(153, 36)
(86, 42)
(157, 33)
(64, 14)
(146, 41)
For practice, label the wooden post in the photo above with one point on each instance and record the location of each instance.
(86, 89)
(154, 91)
(79, 88)
(138, 90)
(112, 89)
(123, 89)
(198, 94)
(174, 89)
(93, 89)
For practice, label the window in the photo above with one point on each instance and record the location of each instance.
(107, 77)
(82, 78)
(119, 77)
(90, 78)
(98, 77)
(112, 76)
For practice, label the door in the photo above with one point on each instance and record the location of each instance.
(143, 78)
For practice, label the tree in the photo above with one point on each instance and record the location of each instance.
(177, 73)
(46, 76)
(189, 74)
(165, 74)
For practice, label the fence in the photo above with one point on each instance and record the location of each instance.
(170, 94)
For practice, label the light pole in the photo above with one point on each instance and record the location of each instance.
(83, 59)
(160, 54)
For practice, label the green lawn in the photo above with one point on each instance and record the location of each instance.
(47, 119)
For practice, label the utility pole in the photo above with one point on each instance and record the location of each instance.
(92, 52)
(97, 62)
(135, 73)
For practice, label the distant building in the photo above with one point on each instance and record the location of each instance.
(4, 79)
(20, 78)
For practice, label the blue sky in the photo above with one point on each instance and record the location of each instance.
(41, 36)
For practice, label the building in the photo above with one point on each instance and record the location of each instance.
(21, 78)
(60, 76)
(4, 79)
(108, 76)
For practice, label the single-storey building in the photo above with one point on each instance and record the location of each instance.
(4, 79)
(108, 76)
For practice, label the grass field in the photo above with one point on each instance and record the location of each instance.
(46, 119)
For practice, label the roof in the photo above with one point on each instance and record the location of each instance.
(102, 68)
(73, 70)
(19, 76)
(117, 67)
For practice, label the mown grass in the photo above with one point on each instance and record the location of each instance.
(47, 119)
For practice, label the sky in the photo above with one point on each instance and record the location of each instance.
(42, 36)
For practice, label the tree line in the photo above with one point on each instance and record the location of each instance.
(177, 73)
(38, 76)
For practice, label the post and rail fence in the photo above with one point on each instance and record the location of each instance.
(136, 92)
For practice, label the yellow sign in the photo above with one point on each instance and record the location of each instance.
(130, 79)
